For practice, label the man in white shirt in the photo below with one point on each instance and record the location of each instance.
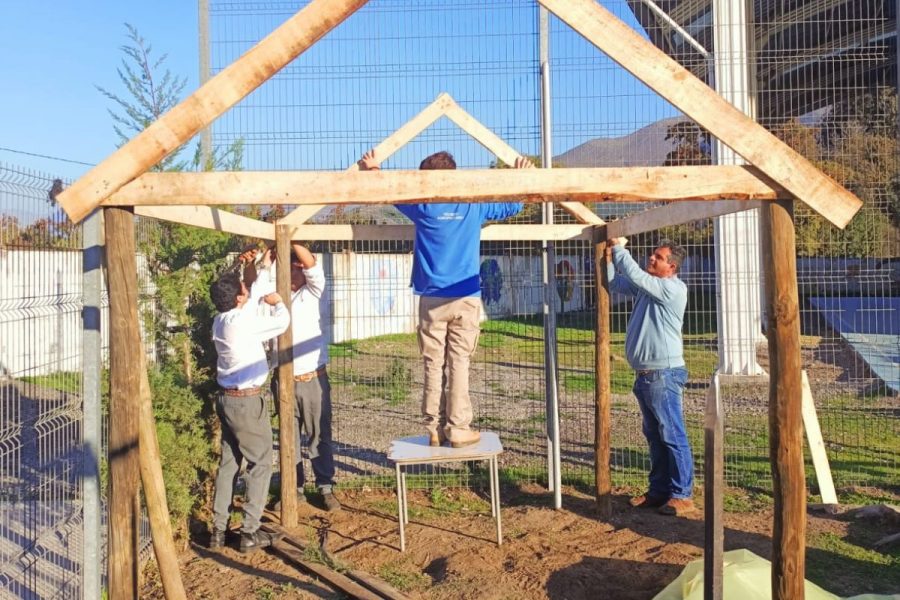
(312, 390)
(238, 332)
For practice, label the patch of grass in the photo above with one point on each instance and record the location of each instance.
(266, 593)
(61, 381)
(404, 576)
(346, 349)
(578, 383)
(828, 554)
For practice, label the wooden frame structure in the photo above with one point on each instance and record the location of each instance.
(779, 175)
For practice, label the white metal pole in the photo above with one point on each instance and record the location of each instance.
(739, 309)
(554, 475)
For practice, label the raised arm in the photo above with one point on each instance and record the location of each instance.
(315, 275)
(640, 280)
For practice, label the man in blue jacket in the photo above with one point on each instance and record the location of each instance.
(653, 347)
(445, 276)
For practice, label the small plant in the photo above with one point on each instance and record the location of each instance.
(404, 577)
(266, 593)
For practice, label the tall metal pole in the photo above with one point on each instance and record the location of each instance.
(739, 308)
(551, 367)
(203, 57)
(92, 420)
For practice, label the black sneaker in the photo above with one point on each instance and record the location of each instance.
(331, 503)
(258, 539)
(216, 539)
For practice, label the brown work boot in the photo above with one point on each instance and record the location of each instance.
(677, 507)
(460, 438)
(647, 501)
(437, 437)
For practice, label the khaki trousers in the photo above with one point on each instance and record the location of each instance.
(448, 336)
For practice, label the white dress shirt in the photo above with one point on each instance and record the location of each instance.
(239, 335)
(310, 346)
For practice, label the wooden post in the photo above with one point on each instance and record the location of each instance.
(286, 450)
(124, 388)
(785, 393)
(602, 400)
(155, 493)
(713, 490)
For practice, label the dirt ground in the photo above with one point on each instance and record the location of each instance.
(566, 554)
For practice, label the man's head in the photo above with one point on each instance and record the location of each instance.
(228, 292)
(666, 259)
(438, 160)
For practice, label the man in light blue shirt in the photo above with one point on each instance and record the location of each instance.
(445, 276)
(654, 349)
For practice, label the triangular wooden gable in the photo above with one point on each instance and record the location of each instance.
(774, 159)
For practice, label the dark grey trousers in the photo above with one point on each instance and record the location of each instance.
(246, 434)
(312, 415)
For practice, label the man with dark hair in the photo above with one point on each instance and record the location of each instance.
(445, 276)
(238, 333)
(653, 347)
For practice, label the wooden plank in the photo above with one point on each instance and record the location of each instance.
(155, 491)
(628, 184)
(785, 394)
(713, 493)
(295, 556)
(124, 386)
(209, 217)
(817, 445)
(386, 148)
(202, 107)
(602, 390)
(287, 450)
(508, 154)
(490, 233)
(712, 112)
(676, 214)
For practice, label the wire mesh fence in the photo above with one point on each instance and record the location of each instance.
(43, 458)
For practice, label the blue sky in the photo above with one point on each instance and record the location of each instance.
(63, 49)
(54, 53)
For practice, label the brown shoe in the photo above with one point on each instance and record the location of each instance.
(460, 438)
(647, 501)
(437, 437)
(677, 507)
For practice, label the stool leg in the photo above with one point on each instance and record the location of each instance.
(400, 509)
(491, 479)
(405, 498)
(496, 498)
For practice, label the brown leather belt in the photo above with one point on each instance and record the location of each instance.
(242, 393)
(310, 376)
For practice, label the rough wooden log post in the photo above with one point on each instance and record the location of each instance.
(713, 492)
(785, 393)
(602, 400)
(286, 450)
(155, 493)
(124, 388)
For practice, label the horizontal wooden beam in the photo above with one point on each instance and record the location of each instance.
(675, 214)
(633, 184)
(698, 101)
(491, 233)
(209, 217)
(202, 107)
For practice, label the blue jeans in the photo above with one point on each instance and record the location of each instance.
(659, 395)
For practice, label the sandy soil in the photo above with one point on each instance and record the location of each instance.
(451, 554)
